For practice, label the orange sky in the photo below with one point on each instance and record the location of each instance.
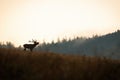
(23, 20)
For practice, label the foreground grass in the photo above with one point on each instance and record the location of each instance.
(21, 65)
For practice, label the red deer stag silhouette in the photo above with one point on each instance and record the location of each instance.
(30, 46)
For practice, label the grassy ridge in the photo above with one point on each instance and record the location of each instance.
(21, 65)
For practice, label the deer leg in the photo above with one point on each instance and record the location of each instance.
(24, 49)
(31, 50)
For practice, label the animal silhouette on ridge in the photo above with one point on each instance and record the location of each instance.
(30, 46)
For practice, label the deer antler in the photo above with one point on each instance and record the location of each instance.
(33, 40)
(29, 41)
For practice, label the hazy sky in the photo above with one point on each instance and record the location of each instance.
(23, 20)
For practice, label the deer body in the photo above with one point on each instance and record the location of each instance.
(30, 46)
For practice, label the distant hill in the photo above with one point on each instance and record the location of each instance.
(106, 45)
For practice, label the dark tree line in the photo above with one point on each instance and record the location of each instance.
(6, 45)
(106, 45)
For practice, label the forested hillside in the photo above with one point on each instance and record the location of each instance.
(106, 45)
